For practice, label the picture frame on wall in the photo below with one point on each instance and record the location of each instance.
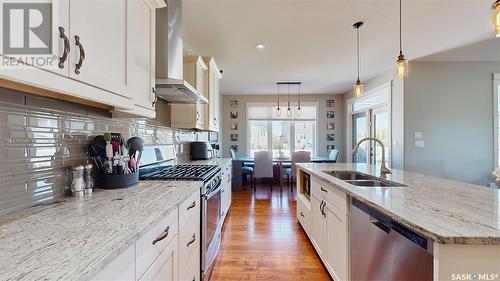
(234, 114)
(234, 137)
(330, 114)
(330, 126)
(330, 103)
(234, 147)
(234, 126)
(330, 147)
(233, 103)
(330, 137)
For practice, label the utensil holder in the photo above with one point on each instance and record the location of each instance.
(117, 181)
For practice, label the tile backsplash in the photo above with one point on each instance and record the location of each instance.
(42, 138)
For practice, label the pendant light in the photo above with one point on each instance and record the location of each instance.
(289, 110)
(358, 87)
(299, 110)
(496, 17)
(278, 110)
(401, 62)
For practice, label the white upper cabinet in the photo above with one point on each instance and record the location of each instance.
(105, 55)
(99, 39)
(214, 77)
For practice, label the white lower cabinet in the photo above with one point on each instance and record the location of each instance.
(226, 190)
(168, 251)
(336, 243)
(328, 230)
(165, 267)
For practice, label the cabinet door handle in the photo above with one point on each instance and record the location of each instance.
(155, 98)
(222, 214)
(197, 116)
(162, 236)
(65, 39)
(324, 190)
(82, 54)
(191, 241)
(301, 214)
(321, 207)
(192, 205)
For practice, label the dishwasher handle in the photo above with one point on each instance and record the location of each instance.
(380, 225)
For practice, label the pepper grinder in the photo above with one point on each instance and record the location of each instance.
(89, 181)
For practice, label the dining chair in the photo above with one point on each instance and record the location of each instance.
(263, 167)
(334, 155)
(297, 157)
(245, 170)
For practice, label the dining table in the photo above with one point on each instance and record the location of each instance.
(281, 162)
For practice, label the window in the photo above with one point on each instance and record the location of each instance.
(281, 135)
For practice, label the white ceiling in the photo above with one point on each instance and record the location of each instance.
(313, 41)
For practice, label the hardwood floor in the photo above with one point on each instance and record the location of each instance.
(262, 240)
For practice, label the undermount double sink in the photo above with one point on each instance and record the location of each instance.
(364, 180)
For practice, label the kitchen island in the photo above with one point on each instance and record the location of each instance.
(462, 221)
(77, 238)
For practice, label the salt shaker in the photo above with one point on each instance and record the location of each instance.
(89, 182)
(78, 184)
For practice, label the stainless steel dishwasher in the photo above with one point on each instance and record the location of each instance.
(383, 249)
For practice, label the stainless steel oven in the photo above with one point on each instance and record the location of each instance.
(211, 224)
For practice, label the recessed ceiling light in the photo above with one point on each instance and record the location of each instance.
(260, 46)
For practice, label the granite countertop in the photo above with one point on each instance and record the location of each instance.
(74, 238)
(217, 161)
(445, 211)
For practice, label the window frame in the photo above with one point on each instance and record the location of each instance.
(496, 110)
(248, 146)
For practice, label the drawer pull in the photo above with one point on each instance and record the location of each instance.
(191, 241)
(192, 205)
(162, 236)
(82, 54)
(324, 190)
(64, 56)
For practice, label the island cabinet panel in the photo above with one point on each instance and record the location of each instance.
(336, 243)
(328, 226)
(165, 268)
(226, 190)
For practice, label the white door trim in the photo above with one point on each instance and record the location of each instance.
(496, 85)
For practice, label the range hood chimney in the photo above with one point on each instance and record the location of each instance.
(170, 83)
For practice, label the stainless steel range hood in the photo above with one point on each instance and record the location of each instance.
(170, 83)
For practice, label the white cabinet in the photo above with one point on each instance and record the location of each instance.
(165, 267)
(226, 190)
(98, 39)
(110, 56)
(318, 233)
(329, 226)
(192, 116)
(336, 243)
(214, 77)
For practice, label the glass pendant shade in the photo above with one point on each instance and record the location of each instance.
(278, 112)
(401, 67)
(299, 112)
(358, 88)
(496, 17)
(289, 112)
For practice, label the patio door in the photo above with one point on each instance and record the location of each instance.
(380, 128)
(359, 131)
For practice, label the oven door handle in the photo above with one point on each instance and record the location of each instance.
(212, 193)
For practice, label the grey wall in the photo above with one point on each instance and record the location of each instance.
(42, 138)
(451, 103)
(397, 119)
(321, 122)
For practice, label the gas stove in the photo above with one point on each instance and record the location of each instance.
(179, 172)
